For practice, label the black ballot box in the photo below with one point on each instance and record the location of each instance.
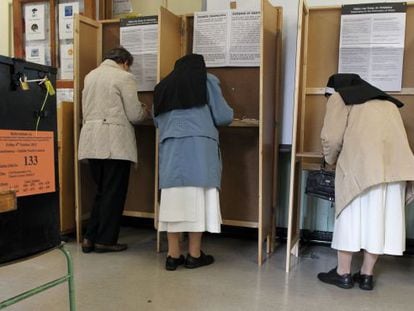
(28, 159)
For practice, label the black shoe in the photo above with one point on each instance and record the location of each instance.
(87, 246)
(172, 263)
(196, 262)
(106, 248)
(332, 277)
(366, 282)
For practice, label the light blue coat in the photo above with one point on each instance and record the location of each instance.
(189, 154)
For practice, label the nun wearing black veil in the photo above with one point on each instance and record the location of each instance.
(364, 135)
(188, 108)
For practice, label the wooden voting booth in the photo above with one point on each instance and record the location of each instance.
(317, 59)
(92, 40)
(250, 144)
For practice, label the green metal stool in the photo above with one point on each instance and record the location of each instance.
(68, 277)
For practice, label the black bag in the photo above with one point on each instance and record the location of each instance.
(321, 184)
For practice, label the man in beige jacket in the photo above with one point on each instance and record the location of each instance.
(110, 107)
(364, 135)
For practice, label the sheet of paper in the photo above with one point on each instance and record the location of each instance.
(228, 38)
(121, 7)
(66, 13)
(244, 39)
(211, 37)
(64, 95)
(35, 21)
(372, 43)
(66, 61)
(140, 37)
(36, 54)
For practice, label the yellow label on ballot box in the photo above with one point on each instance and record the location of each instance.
(27, 162)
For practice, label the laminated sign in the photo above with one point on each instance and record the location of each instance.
(27, 162)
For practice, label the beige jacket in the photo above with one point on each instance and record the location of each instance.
(110, 106)
(369, 145)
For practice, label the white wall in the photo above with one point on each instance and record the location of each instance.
(5, 28)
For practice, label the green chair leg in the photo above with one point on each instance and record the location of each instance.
(67, 278)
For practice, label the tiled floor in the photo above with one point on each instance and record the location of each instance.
(136, 280)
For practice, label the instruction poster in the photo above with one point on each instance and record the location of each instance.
(140, 37)
(372, 43)
(228, 38)
(27, 162)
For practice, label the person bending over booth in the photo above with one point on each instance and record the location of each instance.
(364, 135)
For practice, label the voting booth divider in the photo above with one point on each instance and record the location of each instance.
(317, 59)
(249, 145)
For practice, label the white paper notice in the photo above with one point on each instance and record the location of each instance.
(66, 61)
(140, 37)
(372, 43)
(66, 13)
(34, 16)
(244, 38)
(228, 38)
(121, 7)
(36, 54)
(64, 95)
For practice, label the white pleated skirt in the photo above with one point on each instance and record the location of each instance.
(374, 221)
(190, 209)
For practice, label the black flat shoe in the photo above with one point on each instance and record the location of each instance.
(332, 277)
(196, 262)
(172, 263)
(106, 248)
(366, 282)
(87, 246)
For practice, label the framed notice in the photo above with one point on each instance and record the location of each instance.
(27, 162)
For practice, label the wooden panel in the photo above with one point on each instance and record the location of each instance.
(140, 196)
(90, 8)
(270, 34)
(240, 180)
(87, 56)
(323, 45)
(408, 70)
(110, 35)
(18, 29)
(169, 40)
(297, 122)
(240, 87)
(66, 166)
(315, 112)
(188, 33)
(64, 84)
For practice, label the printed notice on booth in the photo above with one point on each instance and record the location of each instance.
(372, 43)
(27, 162)
(139, 36)
(228, 38)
